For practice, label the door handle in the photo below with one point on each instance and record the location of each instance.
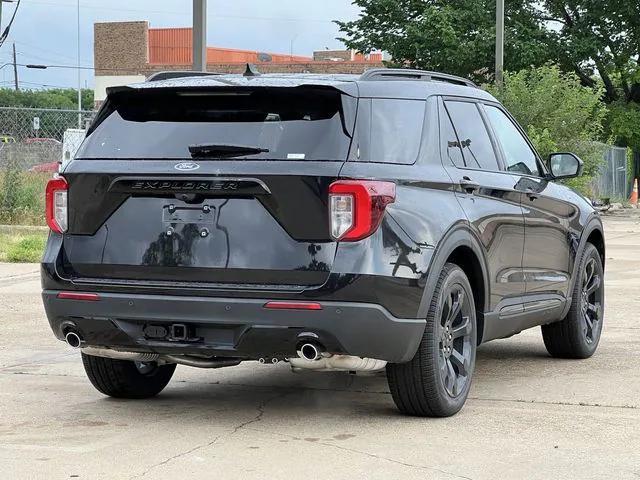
(469, 185)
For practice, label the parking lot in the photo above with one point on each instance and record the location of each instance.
(528, 415)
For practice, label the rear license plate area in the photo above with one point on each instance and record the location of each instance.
(197, 215)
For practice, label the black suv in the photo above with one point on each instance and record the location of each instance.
(393, 220)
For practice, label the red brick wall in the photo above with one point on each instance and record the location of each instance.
(121, 48)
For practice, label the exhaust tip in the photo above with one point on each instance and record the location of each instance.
(73, 339)
(310, 352)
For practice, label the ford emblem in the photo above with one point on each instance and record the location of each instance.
(186, 166)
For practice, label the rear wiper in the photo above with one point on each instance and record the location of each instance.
(217, 150)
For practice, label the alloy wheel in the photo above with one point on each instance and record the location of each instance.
(455, 340)
(591, 301)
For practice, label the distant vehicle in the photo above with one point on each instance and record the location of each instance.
(52, 167)
(397, 220)
(45, 141)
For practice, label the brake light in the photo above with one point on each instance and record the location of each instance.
(56, 204)
(356, 207)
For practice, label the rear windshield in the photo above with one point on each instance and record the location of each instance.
(282, 123)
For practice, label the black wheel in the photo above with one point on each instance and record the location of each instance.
(437, 381)
(127, 379)
(578, 334)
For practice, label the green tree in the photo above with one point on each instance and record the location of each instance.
(61, 98)
(454, 37)
(559, 113)
(601, 40)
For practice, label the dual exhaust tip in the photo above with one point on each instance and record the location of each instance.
(308, 351)
(73, 339)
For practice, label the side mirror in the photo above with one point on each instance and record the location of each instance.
(565, 165)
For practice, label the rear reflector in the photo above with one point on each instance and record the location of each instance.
(86, 297)
(293, 306)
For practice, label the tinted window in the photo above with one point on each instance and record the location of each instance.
(519, 156)
(292, 124)
(390, 131)
(474, 139)
(450, 141)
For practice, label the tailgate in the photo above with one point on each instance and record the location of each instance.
(142, 209)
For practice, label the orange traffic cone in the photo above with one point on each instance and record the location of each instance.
(634, 195)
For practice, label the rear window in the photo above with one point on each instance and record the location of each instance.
(283, 123)
(389, 130)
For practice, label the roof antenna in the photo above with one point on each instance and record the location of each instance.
(251, 71)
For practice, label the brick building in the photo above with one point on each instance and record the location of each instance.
(128, 52)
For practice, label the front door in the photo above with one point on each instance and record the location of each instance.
(546, 259)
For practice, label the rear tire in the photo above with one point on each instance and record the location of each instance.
(127, 379)
(578, 334)
(436, 382)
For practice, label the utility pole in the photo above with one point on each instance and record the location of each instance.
(199, 35)
(15, 68)
(499, 42)
(79, 74)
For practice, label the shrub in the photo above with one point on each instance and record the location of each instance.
(559, 115)
(29, 249)
(22, 199)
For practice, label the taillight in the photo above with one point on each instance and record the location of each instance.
(356, 207)
(56, 204)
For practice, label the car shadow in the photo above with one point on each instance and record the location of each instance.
(241, 391)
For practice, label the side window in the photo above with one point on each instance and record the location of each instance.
(519, 156)
(390, 131)
(450, 141)
(477, 148)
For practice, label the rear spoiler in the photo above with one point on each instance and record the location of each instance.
(200, 81)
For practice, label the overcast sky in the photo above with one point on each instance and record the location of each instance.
(45, 31)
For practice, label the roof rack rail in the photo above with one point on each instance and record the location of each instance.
(171, 74)
(409, 74)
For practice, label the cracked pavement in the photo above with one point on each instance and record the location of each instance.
(528, 416)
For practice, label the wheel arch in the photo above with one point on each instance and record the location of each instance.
(596, 238)
(460, 247)
(593, 233)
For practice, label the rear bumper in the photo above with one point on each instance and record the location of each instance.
(234, 327)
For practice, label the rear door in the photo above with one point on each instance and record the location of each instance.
(489, 199)
(222, 187)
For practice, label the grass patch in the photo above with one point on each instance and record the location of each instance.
(22, 197)
(22, 248)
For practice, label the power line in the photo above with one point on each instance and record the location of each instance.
(45, 51)
(7, 83)
(184, 13)
(70, 67)
(5, 34)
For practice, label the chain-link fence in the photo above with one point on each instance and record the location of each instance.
(33, 142)
(613, 181)
(39, 137)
